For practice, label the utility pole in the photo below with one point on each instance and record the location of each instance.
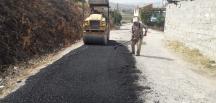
(83, 6)
(117, 7)
(164, 3)
(83, 15)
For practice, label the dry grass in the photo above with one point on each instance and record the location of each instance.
(194, 56)
(32, 67)
(23, 71)
(32, 29)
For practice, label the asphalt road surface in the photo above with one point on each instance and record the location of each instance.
(103, 74)
(89, 74)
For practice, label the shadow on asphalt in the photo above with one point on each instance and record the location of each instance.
(157, 57)
(89, 74)
(124, 29)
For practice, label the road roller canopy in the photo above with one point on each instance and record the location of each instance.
(98, 2)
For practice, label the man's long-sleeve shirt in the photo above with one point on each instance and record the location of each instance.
(137, 31)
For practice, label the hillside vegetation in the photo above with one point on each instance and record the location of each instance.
(31, 28)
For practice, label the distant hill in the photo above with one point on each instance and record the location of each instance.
(122, 6)
(126, 11)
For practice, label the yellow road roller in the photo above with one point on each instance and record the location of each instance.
(96, 26)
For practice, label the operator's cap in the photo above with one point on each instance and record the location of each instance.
(135, 19)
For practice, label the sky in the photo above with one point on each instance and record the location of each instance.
(135, 2)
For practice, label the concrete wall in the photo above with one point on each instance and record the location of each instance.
(194, 23)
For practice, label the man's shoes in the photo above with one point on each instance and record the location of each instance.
(137, 54)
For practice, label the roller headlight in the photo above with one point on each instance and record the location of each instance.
(86, 23)
(103, 23)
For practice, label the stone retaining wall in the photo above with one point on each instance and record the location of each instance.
(193, 23)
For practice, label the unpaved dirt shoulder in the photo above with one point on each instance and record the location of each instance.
(166, 77)
(171, 79)
(13, 82)
(204, 65)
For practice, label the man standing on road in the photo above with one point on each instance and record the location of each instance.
(137, 35)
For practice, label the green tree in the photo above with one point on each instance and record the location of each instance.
(146, 17)
(160, 20)
(116, 17)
